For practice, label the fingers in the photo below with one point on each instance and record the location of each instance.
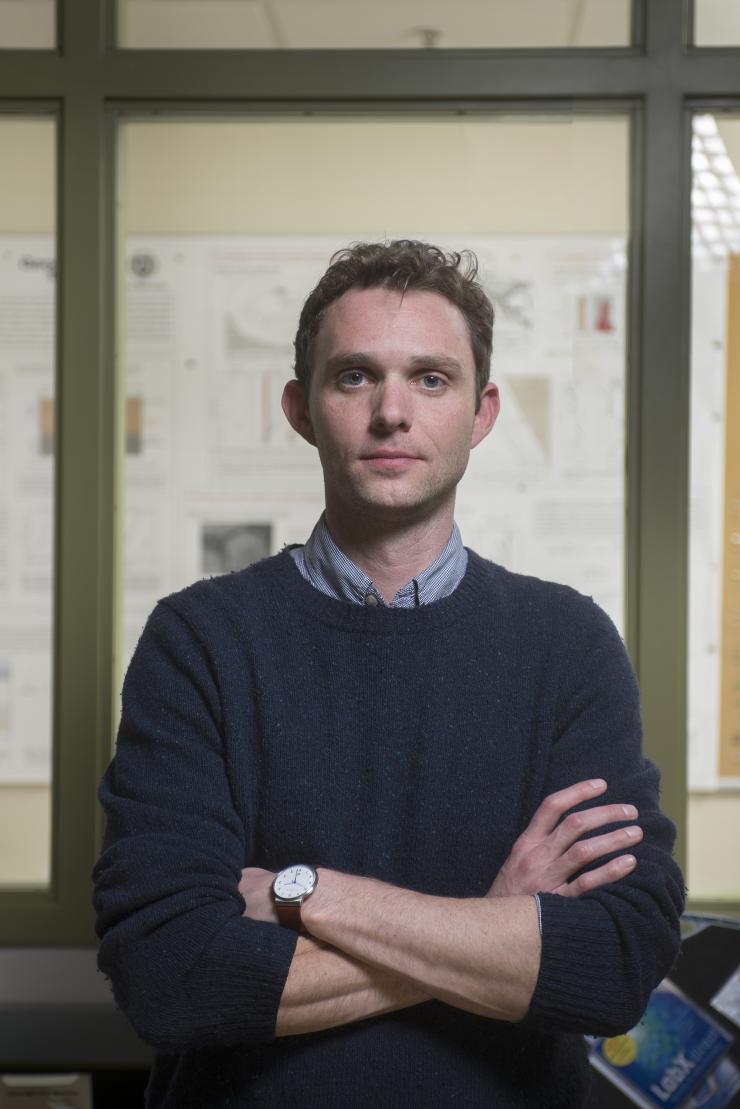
(587, 851)
(577, 824)
(601, 876)
(553, 808)
(556, 846)
(557, 804)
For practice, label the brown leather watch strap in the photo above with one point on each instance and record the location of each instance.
(289, 915)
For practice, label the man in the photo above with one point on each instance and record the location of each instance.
(335, 871)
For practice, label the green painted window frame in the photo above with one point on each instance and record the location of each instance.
(88, 84)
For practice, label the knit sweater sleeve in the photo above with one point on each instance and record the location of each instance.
(603, 953)
(186, 966)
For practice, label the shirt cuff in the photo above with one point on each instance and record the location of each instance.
(539, 911)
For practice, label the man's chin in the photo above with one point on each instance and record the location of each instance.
(396, 505)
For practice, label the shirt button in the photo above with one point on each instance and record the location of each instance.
(371, 599)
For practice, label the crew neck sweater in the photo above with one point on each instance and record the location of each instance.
(265, 723)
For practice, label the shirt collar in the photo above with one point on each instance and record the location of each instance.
(329, 569)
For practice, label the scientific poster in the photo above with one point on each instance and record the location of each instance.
(27, 298)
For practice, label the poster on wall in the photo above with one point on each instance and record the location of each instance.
(27, 309)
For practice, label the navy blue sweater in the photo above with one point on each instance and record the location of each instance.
(265, 723)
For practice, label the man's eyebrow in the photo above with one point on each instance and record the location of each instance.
(437, 362)
(349, 358)
(420, 361)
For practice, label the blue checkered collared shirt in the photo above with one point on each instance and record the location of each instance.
(327, 567)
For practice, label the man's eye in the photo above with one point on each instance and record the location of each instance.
(432, 381)
(352, 377)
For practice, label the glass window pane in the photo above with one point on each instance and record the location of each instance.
(27, 323)
(363, 24)
(220, 256)
(714, 601)
(27, 24)
(716, 23)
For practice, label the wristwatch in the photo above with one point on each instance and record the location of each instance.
(290, 889)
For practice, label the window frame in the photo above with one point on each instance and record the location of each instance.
(660, 80)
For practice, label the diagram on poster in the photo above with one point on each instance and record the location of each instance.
(27, 298)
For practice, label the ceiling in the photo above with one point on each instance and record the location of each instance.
(385, 24)
(365, 23)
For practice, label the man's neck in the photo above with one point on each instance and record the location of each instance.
(391, 554)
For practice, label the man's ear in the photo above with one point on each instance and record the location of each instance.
(295, 407)
(487, 413)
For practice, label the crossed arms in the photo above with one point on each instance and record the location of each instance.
(190, 970)
(376, 948)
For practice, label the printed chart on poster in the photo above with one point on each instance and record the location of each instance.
(215, 478)
(27, 296)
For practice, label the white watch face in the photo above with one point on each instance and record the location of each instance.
(294, 881)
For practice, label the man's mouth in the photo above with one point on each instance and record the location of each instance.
(389, 459)
(389, 454)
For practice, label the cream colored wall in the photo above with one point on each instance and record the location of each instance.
(345, 176)
(713, 871)
(377, 177)
(24, 835)
(27, 206)
(27, 180)
(25, 818)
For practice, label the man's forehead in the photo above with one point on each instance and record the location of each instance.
(372, 314)
(390, 300)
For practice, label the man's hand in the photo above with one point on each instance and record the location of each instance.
(550, 850)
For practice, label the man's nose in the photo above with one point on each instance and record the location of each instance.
(391, 406)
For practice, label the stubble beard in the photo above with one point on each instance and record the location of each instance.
(392, 500)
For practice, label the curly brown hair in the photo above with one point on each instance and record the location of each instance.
(403, 264)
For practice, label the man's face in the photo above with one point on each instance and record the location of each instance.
(391, 407)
